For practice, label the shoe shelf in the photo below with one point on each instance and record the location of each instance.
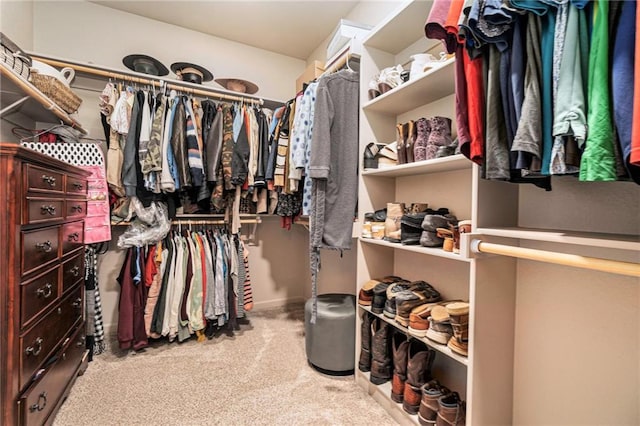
(431, 86)
(430, 251)
(591, 239)
(444, 349)
(382, 394)
(19, 95)
(437, 165)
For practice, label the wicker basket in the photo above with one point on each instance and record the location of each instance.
(14, 57)
(56, 91)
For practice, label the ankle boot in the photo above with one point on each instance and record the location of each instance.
(399, 345)
(371, 155)
(364, 364)
(459, 316)
(380, 352)
(412, 134)
(440, 135)
(401, 142)
(420, 360)
(451, 410)
(432, 391)
(392, 223)
(423, 129)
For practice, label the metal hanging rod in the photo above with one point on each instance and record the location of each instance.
(146, 79)
(584, 262)
(212, 222)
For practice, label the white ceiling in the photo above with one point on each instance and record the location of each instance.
(292, 28)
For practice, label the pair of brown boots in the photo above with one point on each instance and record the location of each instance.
(441, 407)
(419, 140)
(412, 362)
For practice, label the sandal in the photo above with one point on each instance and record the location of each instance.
(374, 91)
(390, 78)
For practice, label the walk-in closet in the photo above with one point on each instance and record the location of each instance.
(343, 213)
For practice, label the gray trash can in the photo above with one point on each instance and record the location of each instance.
(330, 342)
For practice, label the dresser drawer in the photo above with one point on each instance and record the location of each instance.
(76, 185)
(37, 344)
(40, 210)
(37, 402)
(72, 271)
(39, 248)
(43, 180)
(72, 236)
(76, 208)
(37, 294)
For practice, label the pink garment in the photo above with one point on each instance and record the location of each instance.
(435, 26)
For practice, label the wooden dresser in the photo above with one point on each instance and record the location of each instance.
(42, 333)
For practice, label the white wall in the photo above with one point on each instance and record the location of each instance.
(92, 33)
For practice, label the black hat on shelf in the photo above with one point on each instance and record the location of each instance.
(145, 64)
(191, 72)
(238, 85)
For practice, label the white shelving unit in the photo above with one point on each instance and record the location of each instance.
(441, 182)
(537, 342)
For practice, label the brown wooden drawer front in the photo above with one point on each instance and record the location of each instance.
(37, 294)
(39, 248)
(38, 401)
(72, 236)
(72, 271)
(76, 208)
(43, 209)
(38, 343)
(76, 185)
(43, 180)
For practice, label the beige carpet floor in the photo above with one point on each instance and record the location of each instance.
(259, 376)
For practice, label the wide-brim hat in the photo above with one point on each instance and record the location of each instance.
(145, 64)
(237, 85)
(191, 72)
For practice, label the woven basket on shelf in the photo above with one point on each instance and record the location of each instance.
(56, 91)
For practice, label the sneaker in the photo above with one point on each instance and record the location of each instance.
(390, 305)
(419, 319)
(459, 316)
(440, 329)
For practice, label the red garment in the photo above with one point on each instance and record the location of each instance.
(462, 106)
(475, 101)
(634, 156)
(131, 330)
(150, 269)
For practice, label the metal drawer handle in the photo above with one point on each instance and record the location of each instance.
(49, 179)
(50, 210)
(75, 271)
(74, 236)
(45, 247)
(77, 185)
(37, 406)
(45, 291)
(35, 349)
(80, 341)
(76, 209)
(78, 303)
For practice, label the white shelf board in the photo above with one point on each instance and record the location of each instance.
(444, 349)
(612, 241)
(401, 28)
(435, 251)
(437, 165)
(382, 393)
(431, 86)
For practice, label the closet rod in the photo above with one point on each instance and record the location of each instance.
(151, 80)
(211, 222)
(584, 262)
(340, 62)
